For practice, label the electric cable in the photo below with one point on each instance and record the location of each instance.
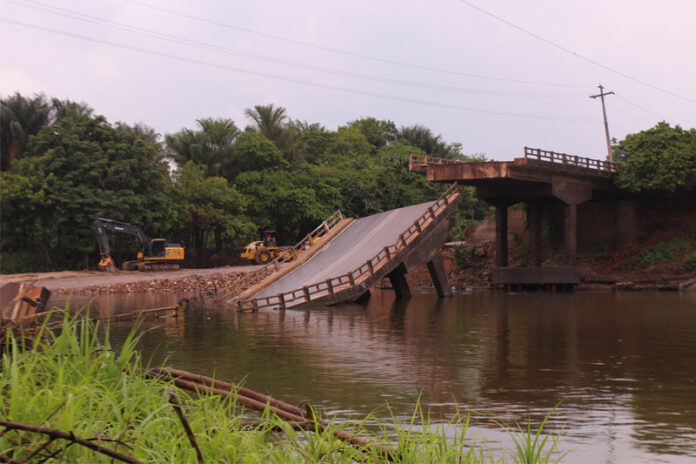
(296, 81)
(567, 50)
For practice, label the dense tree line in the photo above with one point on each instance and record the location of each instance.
(212, 186)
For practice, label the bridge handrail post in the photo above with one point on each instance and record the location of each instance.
(351, 279)
(329, 285)
(281, 298)
(387, 253)
(305, 290)
(370, 267)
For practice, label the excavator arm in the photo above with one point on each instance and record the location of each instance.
(103, 225)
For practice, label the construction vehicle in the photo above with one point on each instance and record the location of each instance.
(264, 250)
(155, 253)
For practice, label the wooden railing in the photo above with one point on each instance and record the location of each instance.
(569, 160)
(290, 253)
(364, 274)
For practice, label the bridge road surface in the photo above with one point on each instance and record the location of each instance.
(360, 241)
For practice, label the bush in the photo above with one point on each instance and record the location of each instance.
(661, 252)
(690, 261)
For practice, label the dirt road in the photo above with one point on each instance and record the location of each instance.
(81, 279)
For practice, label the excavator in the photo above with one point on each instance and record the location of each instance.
(155, 255)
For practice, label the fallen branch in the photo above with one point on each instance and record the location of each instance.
(192, 438)
(55, 434)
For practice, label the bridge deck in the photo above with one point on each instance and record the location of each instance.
(361, 254)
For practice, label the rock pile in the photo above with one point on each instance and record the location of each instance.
(203, 286)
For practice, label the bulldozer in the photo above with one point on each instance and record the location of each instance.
(155, 253)
(265, 250)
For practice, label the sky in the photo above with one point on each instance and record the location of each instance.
(494, 75)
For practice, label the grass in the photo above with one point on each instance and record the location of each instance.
(662, 252)
(75, 382)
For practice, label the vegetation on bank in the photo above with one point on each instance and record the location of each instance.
(213, 187)
(73, 382)
(210, 187)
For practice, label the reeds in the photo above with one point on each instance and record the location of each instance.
(74, 383)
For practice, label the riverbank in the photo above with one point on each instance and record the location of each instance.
(94, 404)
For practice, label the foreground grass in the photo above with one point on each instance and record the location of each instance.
(76, 383)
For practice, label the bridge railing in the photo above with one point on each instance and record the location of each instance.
(416, 162)
(569, 160)
(363, 274)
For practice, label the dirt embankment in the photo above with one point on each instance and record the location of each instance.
(229, 280)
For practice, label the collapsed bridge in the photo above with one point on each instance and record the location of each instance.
(356, 254)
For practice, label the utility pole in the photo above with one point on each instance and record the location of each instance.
(601, 95)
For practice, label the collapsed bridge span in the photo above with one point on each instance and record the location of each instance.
(363, 253)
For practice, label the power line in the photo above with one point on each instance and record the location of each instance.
(208, 46)
(640, 107)
(296, 81)
(345, 52)
(567, 50)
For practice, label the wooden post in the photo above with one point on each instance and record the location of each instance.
(329, 284)
(306, 294)
(281, 297)
(386, 250)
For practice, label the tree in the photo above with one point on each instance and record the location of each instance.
(377, 132)
(660, 159)
(76, 170)
(423, 138)
(269, 121)
(20, 117)
(254, 152)
(209, 204)
(291, 202)
(210, 146)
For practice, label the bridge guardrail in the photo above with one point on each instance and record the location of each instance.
(420, 162)
(362, 274)
(569, 160)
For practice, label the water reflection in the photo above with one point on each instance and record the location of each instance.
(622, 365)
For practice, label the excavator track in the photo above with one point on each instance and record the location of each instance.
(150, 266)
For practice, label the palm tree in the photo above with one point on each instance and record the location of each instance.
(269, 121)
(20, 117)
(211, 146)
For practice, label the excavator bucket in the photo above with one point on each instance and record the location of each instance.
(107, 265)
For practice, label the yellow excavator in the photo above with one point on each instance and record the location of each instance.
(155, 254)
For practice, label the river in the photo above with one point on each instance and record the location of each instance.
(620, 366)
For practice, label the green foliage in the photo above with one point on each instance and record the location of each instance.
(463, 255)
(377, 132)
(72, 172)
(208, 204)
(690, 261)
(279, 173)
(661, 252)
(661, 159)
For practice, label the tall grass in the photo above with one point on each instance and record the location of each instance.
(75, 382)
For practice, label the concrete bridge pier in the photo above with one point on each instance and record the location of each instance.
(572, 194)
(501, 233)
(397, 277)
(439, 276)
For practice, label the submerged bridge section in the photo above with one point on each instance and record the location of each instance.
(544, 180)
(360, 255)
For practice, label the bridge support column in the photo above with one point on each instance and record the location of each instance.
(534, 224)
(501, 234)
(397, 277)
(571, 233)
(439, 276)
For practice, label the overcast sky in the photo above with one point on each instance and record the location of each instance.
(446, 64)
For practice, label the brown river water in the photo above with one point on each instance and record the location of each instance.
(620, 366)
